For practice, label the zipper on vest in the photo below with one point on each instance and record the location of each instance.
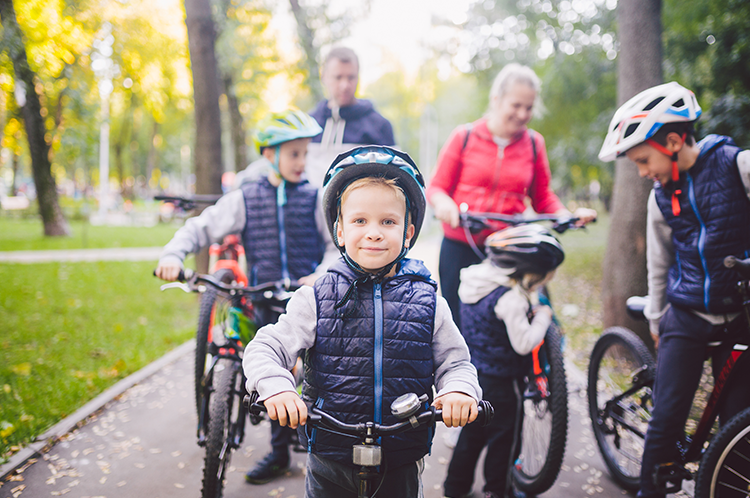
(378, 353)
(701, 243)
(282, 241)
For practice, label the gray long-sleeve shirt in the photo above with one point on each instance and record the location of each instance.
(273, 352)
(226, 217)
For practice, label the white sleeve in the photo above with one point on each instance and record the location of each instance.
(659, 258)
(512, 308)
(450, 355)
(743, 165)
(227, 216)
(331, 253)
(270, 356)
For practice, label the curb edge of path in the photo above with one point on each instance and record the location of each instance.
(45, 441)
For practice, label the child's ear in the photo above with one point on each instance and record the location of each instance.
(339, 235)
(270, 153)
(409, 234)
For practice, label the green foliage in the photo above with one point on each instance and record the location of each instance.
(69, 331)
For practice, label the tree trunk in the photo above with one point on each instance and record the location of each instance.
(15, 161)
(639, 68)
(54, 222)
(237, 126)
(306, 39)
(201, 40)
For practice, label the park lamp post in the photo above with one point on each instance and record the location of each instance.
(105, 70)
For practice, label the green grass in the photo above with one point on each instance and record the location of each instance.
(28, 234)
(69, 331)
(576, 289)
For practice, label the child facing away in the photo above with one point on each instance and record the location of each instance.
(698, 213)
(374, 328)
(502, 327)
(283, 230)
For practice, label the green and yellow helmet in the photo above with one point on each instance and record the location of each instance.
(280, 127)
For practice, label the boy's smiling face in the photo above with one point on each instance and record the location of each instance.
(651, 163)
(292, 156)
(371, 226)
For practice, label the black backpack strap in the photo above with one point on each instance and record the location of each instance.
(466, 137)
(533, 143)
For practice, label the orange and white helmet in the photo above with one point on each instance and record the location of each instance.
(640, 118)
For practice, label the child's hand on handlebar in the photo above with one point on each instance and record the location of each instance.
(288, 408)
(168, 271)
(458, 408)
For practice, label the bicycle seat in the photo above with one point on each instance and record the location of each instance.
(636, 305)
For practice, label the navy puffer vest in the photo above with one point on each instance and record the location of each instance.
(714, 222)
(268, 248)
(363, 361)
(488, 341)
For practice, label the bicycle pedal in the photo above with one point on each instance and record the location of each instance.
(668, 477)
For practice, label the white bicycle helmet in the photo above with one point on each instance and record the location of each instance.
(640, 118)
(526, 249)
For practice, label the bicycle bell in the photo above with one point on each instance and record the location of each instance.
(407, 405)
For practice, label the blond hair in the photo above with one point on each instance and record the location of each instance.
(516, 73)
(372, 181)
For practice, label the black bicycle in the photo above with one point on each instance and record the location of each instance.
(545, 397)
(221, 414)
(367, 454)
(621, 378)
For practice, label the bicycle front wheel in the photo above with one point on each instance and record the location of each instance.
(725, 467)
(213, 311)
(225, 425)
(545, 422)
(620, 401)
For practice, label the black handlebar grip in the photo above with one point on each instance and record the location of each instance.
(486, 413)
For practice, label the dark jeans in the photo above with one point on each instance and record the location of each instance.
(454, 256)
(499, 438)
(683, 342)
(329, 479)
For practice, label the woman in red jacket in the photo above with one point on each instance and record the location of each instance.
(493, 164)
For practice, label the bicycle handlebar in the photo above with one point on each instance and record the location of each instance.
(279, 289)
(478, 221)
(188, 203)
(741, 266)
(318, 417)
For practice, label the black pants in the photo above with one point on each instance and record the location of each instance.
(454, 256)
(683, 341)
(499, 436)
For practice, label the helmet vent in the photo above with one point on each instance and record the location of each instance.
(679, 103)
(653, 104)
(631, 129)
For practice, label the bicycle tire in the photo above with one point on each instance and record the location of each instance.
(206, 316)
(545, 425)
(618, 354)
(725, 467)
(225, 412)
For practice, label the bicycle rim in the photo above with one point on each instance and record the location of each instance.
(725, 468)
(212, 305)
(225, 416)
(545, 425)
(618, 356)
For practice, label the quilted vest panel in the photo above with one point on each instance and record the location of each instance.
(714, 222)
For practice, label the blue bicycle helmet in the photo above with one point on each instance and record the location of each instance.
(374, 161)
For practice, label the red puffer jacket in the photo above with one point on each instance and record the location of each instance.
(474, 173)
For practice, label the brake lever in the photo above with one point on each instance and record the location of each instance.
(176, 285)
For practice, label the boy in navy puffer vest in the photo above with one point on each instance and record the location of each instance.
(283, 231)
(698, 213)
(373, 329)
(502, 327)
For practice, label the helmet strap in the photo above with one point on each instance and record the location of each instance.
(675, 171)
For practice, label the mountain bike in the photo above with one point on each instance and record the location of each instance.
(367, 453)
(545, 396)
(227, 264)
(221, 415)
(621, 377)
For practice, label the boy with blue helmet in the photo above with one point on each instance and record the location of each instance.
(698, 213)
(373, 328)
(283, 231)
